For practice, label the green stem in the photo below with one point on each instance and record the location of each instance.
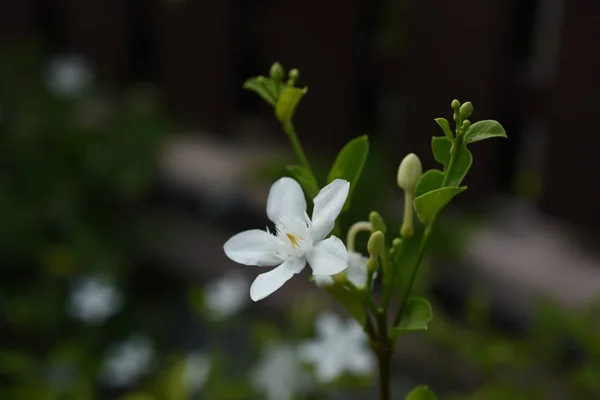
(383, 352)
(414, 272)
(290, 131)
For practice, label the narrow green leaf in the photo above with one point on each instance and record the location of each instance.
(350, 300)
(264, 87)
(482, 130)
(288, 102)
(441, 150)
(405, 258)
(349, 163)
(306, 179)
(430, 180)
(443, 123)
(421, 393)
(416, 315)
(430, 204)
(464, 160)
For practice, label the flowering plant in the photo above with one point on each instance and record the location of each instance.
(386, 311)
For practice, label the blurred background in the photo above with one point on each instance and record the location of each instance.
(129, 153)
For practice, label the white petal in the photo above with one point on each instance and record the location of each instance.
(323, 280)
(286, 199)
(328, 205)
(267, 283)
(328, 257)
(357, 268)
(253, 247)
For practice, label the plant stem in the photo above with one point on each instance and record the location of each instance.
(290, 131)
(383, 352)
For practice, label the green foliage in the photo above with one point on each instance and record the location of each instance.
(443, 123)
(288, 102)
(306, 179)
(349, 163)
(484, 130)
(421, 393)
(349, 300)
(431, 180)
(431, 203)
(416, 317)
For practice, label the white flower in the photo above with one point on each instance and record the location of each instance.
(356, 271)
(68, 76)
(279, 373)
(297, 239)
(128, 361)
(94, 299)
(226, 296)
(197, 370)
(341, 347)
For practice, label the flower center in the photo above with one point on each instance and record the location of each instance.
(293, 239)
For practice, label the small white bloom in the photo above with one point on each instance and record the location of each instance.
(226, 296)
(297, 239)
(356, 271)
(94, 299)
(68, 76)
(126, 362)
(279, 373)
(197, 370)
(341, 347)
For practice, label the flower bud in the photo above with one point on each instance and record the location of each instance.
(293, 76)
(409, 172)
(466, 110)
(277, 72)
(372, 265)
(377, 222)
(455, 104)
(376, 244)
(466, 125)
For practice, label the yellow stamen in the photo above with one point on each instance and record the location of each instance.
(293, 239)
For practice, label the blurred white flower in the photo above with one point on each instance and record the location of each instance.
(341, 347)
(197, 370)
(297, 239)
(128, 361)
(356, 271)
(68, 75)
(279, 374)
(226, 296)
(94, 299)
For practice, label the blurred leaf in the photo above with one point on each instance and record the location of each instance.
(287, 103)
(463, 163)
(430, 204)
(441, 150)
(349, 164)
(306, 180)
(416, 315)
(350, 300)
(482, 130)
(443, 123)
(421, 393)
(431, 180)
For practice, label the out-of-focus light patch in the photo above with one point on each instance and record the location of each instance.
(127, 362)
(197, 371)
(68, 75)
(279, 374)
(226, 296)
(94, 299)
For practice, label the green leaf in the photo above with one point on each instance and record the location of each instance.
(350, 300)
(482, 130)
(405, 257)
(349, 163)
(443, 123)
(416, 315)
(288, 102)
(464, 160)
(421, 393)
(430, 204)
(264, 87)
(306, 179)
(430, 180)
(441, 150)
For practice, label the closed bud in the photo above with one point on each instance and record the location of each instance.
(377, 222)
(466, 110)
(372, 265)
(466, 125)
(409, 172)
(293, 76)
(376, 244)
(455, 105)
(277, 72)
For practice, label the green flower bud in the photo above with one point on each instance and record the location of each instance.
(377, 222)
(372, 265)
(293, 76)
(455, 105)
(376, 244)
(466, 110)
(466, 125)
(277, 72)
(409, 172)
